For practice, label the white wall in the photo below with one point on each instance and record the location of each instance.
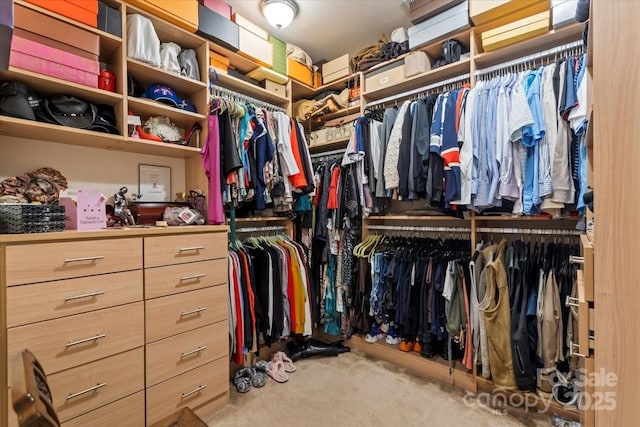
(84, 167)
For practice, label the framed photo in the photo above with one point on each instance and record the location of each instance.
(154, 183)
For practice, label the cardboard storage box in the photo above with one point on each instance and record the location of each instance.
(255, 48)
(279, 55)
(384, 77)
(54, 43)
(299, 72)
(264, 73)
(516, 32)
(89, 213)
(86, 12)
(336, 69)
(502, 12)
(437, 27)
(245, 23)
(273, 87)
(317, 79)
(218, 6)
(218, 61)
(563, 12)
(183, 13)
(216, 27)
(419, 10)
(33, 56)
(416, 63)
(109, 19)
(57, 31)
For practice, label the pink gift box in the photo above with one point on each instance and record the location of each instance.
(89, 213)
(63, 57)
(42, 66)
(218, 6)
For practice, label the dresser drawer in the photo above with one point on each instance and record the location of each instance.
(183, 312)
(175, 355)
(71, 341)
(191, 389)
(53, 261)
(160, 281)
(124, 412)
(87, 387)
(50, 300)
(167, 250)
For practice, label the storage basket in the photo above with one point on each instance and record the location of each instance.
(27, 218)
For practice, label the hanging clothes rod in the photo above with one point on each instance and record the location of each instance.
(429, 229)
(261, 229)
(327, 154)
(223, 91)
(419, 90)
(530, 58)
(537, 231)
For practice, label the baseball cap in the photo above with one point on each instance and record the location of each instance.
(105, 120)
(17, 100)
(166, 95)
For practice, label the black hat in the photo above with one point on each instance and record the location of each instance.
(16, 100)
(70, 111)
(105, 120)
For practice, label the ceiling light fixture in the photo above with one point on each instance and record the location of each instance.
(279, 13)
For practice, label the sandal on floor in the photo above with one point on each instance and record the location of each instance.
(260, 374)
(276, 371)
(242, 379)
(289, 367)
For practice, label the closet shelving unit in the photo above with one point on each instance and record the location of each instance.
(480, 225)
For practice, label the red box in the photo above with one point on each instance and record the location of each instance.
(71, 10)
(218, 6)
(90, 5)
(54, 29)
(62, 57)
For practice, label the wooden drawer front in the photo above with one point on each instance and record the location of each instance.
(124, 412)
(51, 300)
(53, 261)
(58, 343)
(167, 250)
(112, 378)
(160, 281)
(183, 312)
(175, 355)
(189, 389)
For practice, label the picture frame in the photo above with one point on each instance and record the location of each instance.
(154, 183)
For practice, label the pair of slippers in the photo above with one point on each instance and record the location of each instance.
(256, 376)
(280, 366)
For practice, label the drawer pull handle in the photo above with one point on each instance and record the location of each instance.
(192, 277)
(574, 350)
(194, 391)
(88, 390)
(576, 259)
(190, 312)
(89, 295)
(84, 340)
(86, 258)
(194, 351)
(192, 248)
(571, 302)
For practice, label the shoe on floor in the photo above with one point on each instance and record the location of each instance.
(406, 345)
(374, 335)
(392, 336)
(417, 347)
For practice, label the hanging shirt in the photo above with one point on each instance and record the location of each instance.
(211, 164)
(391, 176)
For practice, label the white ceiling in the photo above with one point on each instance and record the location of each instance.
(326, 29)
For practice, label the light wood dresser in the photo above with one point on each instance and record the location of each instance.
(129, 325)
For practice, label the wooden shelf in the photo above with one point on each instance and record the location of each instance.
(262, 219)
(149, 75)
(108, 42)
(415, 218)
(45, 85)
(21, 128)
(146, 107)
(237, 61)
(143, 146)
(543, 218)
(328, 146)
(340, 113)
(428, 77)
(246, 88)
(303, 91)
(553, 38)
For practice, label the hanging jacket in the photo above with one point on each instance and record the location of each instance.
(391, 176)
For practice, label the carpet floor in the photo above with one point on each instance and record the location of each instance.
(353, 390)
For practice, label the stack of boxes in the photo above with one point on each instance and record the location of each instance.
(49, 46)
